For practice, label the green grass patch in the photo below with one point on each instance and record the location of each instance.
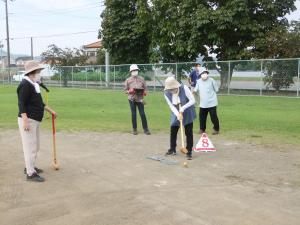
(258, 119)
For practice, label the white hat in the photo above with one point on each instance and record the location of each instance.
(133, 67)
(171, 83)
(31, 66)
(203, 70)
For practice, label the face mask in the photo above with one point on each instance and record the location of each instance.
(135, 73)
(204, 76)
(174, 91)
(37, 78)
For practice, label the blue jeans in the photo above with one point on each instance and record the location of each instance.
(140, 107)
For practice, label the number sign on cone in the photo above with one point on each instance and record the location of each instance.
(204, 144)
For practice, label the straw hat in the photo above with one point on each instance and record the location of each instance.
(32, 65)
(171, 83)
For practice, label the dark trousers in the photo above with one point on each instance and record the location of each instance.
(213, 116)
(140, 106)
(189, 137)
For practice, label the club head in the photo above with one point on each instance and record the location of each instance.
(55, 166)
(184, 150)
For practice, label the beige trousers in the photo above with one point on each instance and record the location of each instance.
(30, 142)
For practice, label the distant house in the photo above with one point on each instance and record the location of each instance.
(20, 61)
(91, 51)
(3, 62)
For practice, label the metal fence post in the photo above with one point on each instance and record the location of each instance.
(155, 78)
(298, 86)
(228, 79)
(72, 76)
(101, 77)
(261, 77)
(114, 77)
(176, 75)
(85, 79)
(60, 79)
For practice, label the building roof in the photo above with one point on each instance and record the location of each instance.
(97, 44)
(23, 58)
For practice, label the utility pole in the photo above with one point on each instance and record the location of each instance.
(31, 41)
(7, 38)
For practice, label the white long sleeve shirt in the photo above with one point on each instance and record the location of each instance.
(176, 101)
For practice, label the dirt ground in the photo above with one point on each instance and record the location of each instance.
(106, 179)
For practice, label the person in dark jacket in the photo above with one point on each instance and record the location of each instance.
(31, 112)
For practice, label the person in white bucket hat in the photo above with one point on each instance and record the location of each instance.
(135, 87)
(31, 112)
(178, 94)
(207, 89)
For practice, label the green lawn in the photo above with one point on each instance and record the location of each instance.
(259, 119)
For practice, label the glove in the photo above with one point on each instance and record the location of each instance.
(131, 91)
(145, 93)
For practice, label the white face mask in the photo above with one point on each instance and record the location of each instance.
(135, 73)
(204, 76)
(37, 78)
(174, 91)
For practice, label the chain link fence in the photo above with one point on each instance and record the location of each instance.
(267, 77)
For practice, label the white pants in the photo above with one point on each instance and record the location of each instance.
(30, 142)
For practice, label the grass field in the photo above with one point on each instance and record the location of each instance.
(258, 119)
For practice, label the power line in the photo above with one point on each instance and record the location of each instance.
(54, 35)
(63, 11)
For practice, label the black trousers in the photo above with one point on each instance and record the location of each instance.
(213, 116)
(140, 106)
(189, 137)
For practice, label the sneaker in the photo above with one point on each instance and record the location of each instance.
(134, 132)
(36, 170)
(215, 132)
(189, 156)
(147, 132)
(170, 152)
(35, 178)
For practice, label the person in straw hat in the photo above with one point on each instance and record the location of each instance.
(176, 95)
(207, 89)
(31, 111)
(135, 87)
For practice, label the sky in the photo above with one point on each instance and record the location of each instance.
(40, 18)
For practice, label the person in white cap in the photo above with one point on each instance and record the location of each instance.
(178, 94)
(207, 89)
(135, 87)
(31, 111)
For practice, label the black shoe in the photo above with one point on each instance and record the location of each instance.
(36, 170)
(35, 178)
(170, 152)
(147, 132)
(134, 132)
(189, 156)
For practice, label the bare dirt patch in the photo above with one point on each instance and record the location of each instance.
(106, 179)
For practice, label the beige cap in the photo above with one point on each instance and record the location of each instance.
(171, 83)
(32, 65)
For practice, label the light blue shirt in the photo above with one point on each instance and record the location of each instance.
(207, 90)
